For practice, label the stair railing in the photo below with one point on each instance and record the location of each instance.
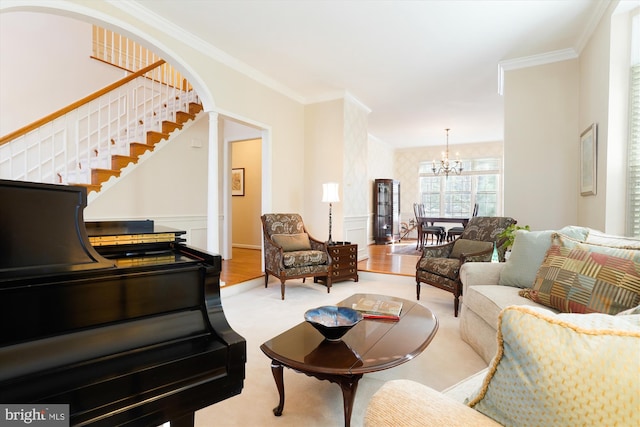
(64, 146)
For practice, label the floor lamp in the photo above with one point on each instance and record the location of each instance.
(330, 195)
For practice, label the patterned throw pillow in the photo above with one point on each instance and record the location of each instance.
(576, 277)
(563, 370)
(466, 246)
(292, 242)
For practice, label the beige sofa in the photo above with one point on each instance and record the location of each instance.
(488, 288)
(506, 329)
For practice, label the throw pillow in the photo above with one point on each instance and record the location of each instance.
(597, 237)
(292, 242)
(466, 246)
(562, 370)
(527, 253)
(577, 277)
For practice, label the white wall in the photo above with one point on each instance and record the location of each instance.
(541, 151)
(53, 55)
(169, 186)
(323, 162)
(380, 165)
(603, 100)
(547, 107)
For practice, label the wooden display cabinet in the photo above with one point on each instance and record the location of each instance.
(386, 204)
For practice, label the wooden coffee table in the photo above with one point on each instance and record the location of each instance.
(372, 345)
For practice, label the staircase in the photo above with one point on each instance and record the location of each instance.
(95, 138)
(117, 162)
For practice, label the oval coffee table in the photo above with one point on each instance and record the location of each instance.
(372, 345)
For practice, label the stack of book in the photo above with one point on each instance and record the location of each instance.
(378, 309)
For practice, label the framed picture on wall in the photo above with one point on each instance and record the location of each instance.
(237, 182)
(589, 160)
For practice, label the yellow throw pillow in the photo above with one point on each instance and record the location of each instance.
(292, 242)
(563, 370)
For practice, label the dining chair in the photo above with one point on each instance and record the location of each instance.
(455, 232)
(424, 229)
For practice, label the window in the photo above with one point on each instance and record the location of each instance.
(456, 195)
(633, 153)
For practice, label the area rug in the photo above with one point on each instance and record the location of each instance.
(405, 249)
(258, 314)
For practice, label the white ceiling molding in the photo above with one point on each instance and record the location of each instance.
(595, 18)
(135, 9)
(532, 61)
(555, 56)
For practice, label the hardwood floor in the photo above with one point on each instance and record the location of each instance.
(246, 264)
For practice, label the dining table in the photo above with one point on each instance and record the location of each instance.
(431, 220)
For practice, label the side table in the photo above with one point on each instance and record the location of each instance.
(344, 259)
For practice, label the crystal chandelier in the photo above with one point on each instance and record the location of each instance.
(447, 166)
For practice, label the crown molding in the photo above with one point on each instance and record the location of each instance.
(594, 20)
(540, 59)
(532, 61)
(134, 8)
(338, 95)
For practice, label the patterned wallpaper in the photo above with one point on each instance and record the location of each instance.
(355, 158)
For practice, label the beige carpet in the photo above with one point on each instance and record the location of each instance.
(258, 314)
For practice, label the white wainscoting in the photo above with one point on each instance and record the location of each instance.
(195, 226)
(356, 230)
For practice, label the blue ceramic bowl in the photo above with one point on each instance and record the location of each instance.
(331, 321)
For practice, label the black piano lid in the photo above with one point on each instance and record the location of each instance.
(42, 230)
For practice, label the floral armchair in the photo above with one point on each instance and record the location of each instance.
(291, 253)
(439, 265)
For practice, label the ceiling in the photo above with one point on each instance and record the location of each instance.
(419, 66)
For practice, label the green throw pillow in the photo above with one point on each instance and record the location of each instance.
(292, 242)
(527, 253)
(563, 370)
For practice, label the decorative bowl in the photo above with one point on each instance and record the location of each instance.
(332, 321)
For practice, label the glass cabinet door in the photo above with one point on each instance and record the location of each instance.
(387, 211)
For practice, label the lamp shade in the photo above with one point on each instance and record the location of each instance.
(330, 192)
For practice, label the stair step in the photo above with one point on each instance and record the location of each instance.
(89, 187)
(98, 176)
(168, 127)
(182, 117)
(153, 137)
(194, 108)
(118, 161)
(137, 149)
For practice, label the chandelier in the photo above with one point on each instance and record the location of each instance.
(447, 166)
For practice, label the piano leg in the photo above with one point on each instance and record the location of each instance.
(184, 421)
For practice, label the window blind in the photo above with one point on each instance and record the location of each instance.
(633, 155)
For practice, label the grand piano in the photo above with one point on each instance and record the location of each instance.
(121, 321)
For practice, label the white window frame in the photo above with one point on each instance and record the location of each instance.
(425, 172)
(633, 149)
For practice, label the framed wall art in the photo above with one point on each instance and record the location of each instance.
(237, 182)
(589, 160)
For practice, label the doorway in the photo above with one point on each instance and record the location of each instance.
(243, 170)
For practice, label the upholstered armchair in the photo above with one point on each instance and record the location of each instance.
(439, 265)
(291, 253)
